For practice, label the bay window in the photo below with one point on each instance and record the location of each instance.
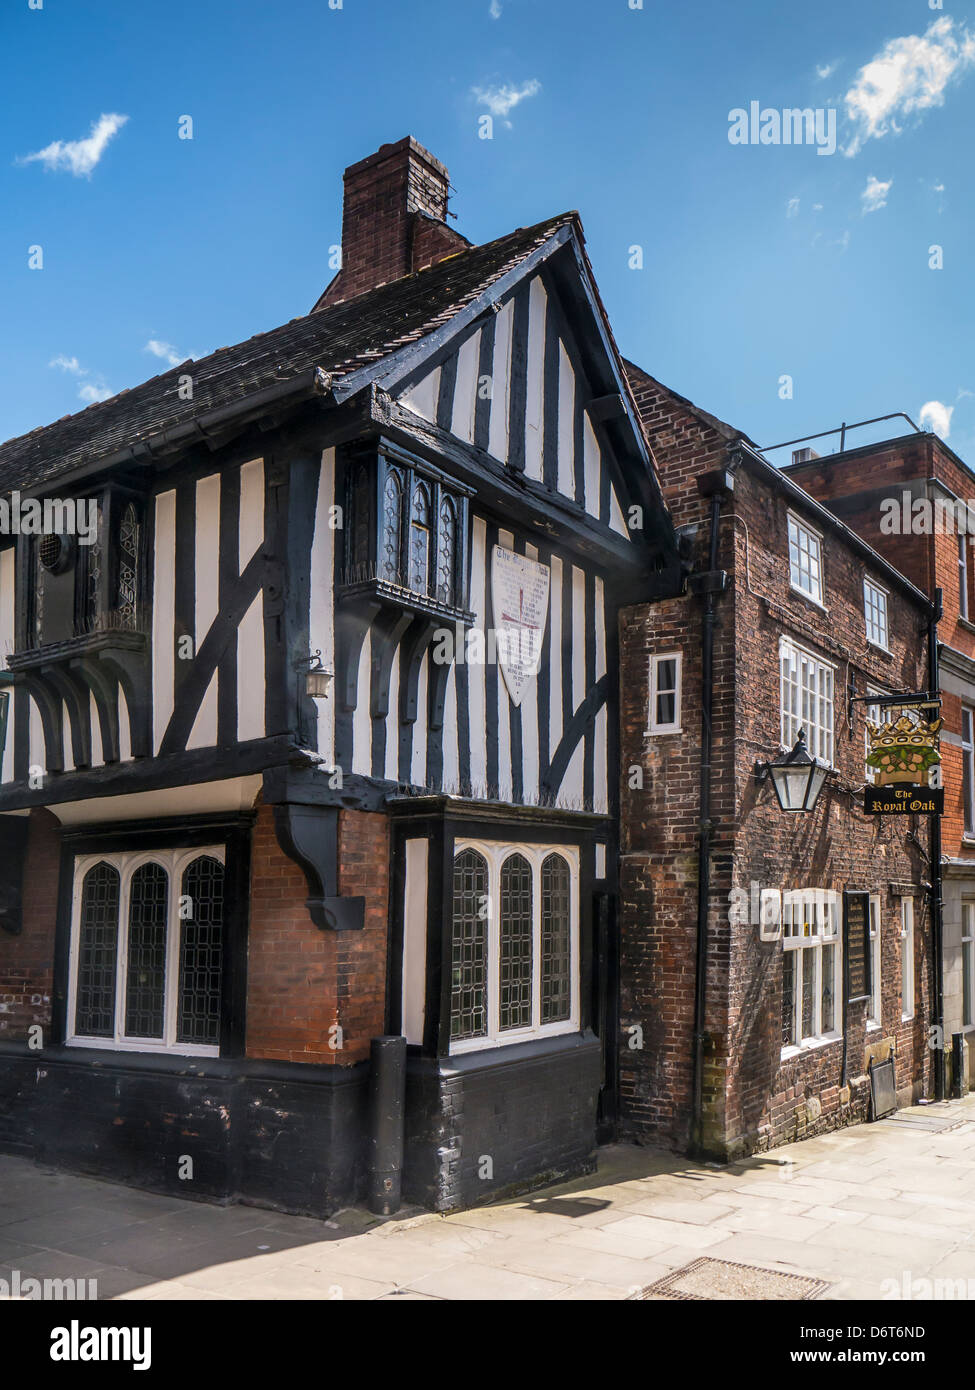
(514, 943)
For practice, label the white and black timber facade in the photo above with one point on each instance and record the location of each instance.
(217, 890)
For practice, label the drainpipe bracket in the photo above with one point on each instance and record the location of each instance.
(708, 582)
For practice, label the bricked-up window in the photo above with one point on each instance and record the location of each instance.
(968, 768)
(806, 689)
(515, 943)
(874, 1014)
(907, 958)
(811, 967)
(805, 559)
(968, 964)
(665, 693)
(147, 951)
(875, 613)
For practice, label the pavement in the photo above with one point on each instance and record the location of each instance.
(878, 1211)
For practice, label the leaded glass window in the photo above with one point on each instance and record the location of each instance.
(446, 551)
(391, 558)
(200, 952)
(97, 945)
(468, 994)
(360, 523)
(148, 932)
(516, 943)
(556, 939)
(128, 568)
(146, 971)
(420, 539)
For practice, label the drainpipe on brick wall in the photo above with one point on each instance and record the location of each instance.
(937, 903)
(717, 485)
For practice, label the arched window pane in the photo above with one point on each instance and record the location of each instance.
(447, 551)
(556, 940)
(390, 562)
(145, 985)
(97, 948)
(420, 540)
(468, 953)
(128, 568)
(200, 952)
(516, 943)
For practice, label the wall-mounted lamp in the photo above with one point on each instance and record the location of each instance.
(317, 679)
(797, 776)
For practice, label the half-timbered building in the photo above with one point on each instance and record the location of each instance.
(313, 739)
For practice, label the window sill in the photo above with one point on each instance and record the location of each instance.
(879, 647)
(145, 1047)
(816, 602)
(967, 624)
(873, 1027)
(663, 731)
(809, 1045)
(907, 1018)
(466, 1046)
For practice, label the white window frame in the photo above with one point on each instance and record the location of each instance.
(819, 724)
(806, 560)
(968, 954)
(655, 727)
(876, 613)
(495, 852)
(174, 862)
(908, 963)
(823, 907)
(963, 577)
(968, 769)
(876, 1002)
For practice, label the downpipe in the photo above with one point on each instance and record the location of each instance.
(386, 1124)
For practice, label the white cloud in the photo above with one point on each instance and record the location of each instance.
(501, 101)
(79, 157)
(874, 196)
(89, 393)
(67, 364)
(824, 70)
(91, 388)
(166, 351)
(792, 208)
(909, 75)
(495, 9)
(937, 417)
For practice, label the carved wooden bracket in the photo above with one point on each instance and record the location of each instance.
(310, 835)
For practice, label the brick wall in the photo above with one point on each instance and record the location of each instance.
(27, 960)
(302, 981)
(753, 1097)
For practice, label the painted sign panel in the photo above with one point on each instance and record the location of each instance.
(903, 801)
(856, 945)
(519, 595)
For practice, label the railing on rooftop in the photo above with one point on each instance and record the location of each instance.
(842, 431)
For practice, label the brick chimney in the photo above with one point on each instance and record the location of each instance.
(394, 219)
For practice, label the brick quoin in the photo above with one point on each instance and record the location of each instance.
(753, 1098)
(27, 960)
(301, 981)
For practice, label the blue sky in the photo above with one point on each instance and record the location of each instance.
(759, 261)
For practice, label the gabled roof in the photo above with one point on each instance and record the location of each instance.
(338, 340)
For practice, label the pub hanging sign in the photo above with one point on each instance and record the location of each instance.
(906, 759)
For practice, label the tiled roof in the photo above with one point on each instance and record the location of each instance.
(339, 339)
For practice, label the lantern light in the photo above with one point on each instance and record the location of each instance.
(317, 678)
(797, 777)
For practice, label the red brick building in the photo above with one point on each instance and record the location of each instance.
(913, 499)
(781, 1054)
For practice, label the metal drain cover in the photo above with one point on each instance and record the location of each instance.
(706, 1279)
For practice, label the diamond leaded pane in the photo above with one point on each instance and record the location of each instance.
(447, 551)
(145, 985)
(516, 943)
(97, 948)
(468, 963)
(788, 998)
(200, 952)
(420, 540)
(556, 949)
(391, 564)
